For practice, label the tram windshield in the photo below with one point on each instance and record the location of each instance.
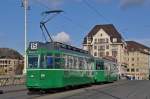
(32, 61)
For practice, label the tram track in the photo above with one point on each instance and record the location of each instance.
(66, 92)
(77, 92)
(117, 90)
(103, 90)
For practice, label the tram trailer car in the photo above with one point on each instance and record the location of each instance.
(105, 70)
(56, 65)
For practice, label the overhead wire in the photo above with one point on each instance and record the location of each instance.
(74, 23)
(89, 5)
(64, 16)
(40, 3)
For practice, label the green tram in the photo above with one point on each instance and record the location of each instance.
(56, 65)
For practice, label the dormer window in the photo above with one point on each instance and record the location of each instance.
(114, 40)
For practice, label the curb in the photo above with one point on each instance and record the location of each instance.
(11, 91)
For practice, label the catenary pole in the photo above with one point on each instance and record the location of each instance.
(25, 3)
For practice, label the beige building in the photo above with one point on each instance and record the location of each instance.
(106, 41)
(10, 66)
(11, 62)
(138, 60)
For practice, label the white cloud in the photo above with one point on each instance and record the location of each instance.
(51, 3)
(62, 37)
(55, 4)
(129, 3)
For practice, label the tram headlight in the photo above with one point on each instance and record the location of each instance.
(31, 76)
(42, 75)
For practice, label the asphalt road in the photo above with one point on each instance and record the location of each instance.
(117, 90)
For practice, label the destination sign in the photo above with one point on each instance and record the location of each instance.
(33, 45)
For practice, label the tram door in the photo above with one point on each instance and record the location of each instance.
(107, 69)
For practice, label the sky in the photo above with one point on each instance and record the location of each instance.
(130, 17)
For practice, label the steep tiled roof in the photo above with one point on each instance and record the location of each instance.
(10, 53)
(135, 46)
(108, 28)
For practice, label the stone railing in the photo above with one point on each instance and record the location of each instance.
(12, 80)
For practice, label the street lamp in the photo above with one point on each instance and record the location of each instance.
(25, 5)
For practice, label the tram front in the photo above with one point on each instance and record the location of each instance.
(43, 67)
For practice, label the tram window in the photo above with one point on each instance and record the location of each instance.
(49, 62)
(75, 63)
(80, 63)
(85, 64)
(57, 62)
(32, 61)
(72, 66)
(99, 66)
(57, 55)
(42, 63)
(49, 54)
(65, 61)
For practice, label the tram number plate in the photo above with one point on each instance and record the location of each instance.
(33, 46)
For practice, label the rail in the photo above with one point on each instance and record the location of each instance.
(12, 80)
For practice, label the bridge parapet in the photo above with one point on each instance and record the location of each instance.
(12, 80)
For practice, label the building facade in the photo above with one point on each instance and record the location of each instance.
(138, 60)
(106, 41)
(11, 62)
(11, 66)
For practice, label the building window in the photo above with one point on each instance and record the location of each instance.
(132, 59)
(137, 59)
(137, 70)
(95, 40)
(114, 53)
(101, 54)
(5, 61)
(132, 64)
(132, 70)
(107, 46)
(128, 70)
(95, 47)
(102, 47)
(114, 40)
(101, 40)
(5, 70)
(101, 34)
(95, 54)
(107, 40)
(107, 53)
(114, 48)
